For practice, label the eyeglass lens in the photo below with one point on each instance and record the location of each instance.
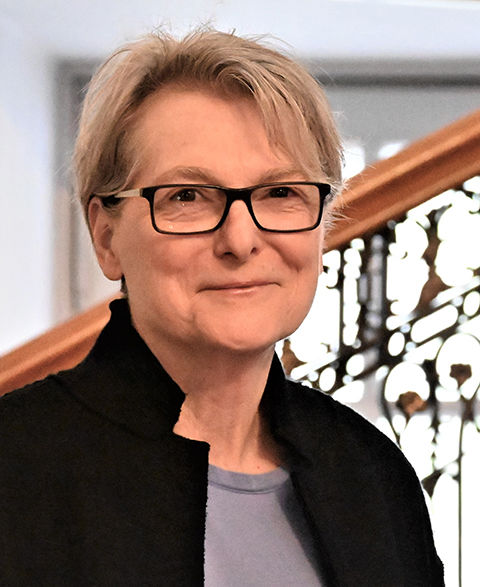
(188, 208)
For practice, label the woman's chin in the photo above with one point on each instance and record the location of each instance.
(242, 338)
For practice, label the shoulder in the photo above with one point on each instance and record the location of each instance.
(360, 468)
(332, 423)
(36, 420)
(32, 401)
(315, 404)
(37, 431)
(334, 435)
(339, 440)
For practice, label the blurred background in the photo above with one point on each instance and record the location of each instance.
(393, 72)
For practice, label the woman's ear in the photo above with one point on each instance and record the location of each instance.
(102, 227)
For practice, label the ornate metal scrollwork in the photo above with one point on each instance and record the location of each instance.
(395, 331)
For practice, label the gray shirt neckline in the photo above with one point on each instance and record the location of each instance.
(247, 482)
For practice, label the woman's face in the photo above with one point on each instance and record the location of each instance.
(239, 288)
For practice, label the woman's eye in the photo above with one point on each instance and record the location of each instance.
(185, 196)
(280, 192)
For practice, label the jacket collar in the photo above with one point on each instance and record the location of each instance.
(122, 380)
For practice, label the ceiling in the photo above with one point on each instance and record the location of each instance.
(345, 29)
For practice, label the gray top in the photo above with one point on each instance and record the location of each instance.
(256, 533)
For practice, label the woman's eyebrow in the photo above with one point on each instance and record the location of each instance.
(203, 175)
(186, 173)
(282, 174)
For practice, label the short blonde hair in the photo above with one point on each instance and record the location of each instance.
(293, 106)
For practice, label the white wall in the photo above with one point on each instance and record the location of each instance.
(313, 28)
(25, 187)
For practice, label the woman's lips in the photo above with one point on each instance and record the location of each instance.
(238, 286)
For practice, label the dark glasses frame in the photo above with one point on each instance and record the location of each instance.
(231, 195)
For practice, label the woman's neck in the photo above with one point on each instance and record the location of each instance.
(237, 443)
(222, 408)
(238, 436)
(223, 391)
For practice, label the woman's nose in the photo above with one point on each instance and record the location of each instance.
(238, 236)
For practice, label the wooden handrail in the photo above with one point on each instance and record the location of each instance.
(382, 192)
(387, 189)
(62, 347)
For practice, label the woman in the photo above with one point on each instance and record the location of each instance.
(177, 453)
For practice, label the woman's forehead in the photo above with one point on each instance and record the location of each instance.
(196, 135)
(174, 120)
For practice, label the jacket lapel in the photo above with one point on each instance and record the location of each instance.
(153, 520)
(336, 479)
(122, 380)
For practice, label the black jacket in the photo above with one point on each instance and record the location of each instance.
(95, 489)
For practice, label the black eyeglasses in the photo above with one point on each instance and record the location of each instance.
(195, 208)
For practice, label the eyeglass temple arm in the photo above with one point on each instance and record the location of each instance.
(129, 193)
